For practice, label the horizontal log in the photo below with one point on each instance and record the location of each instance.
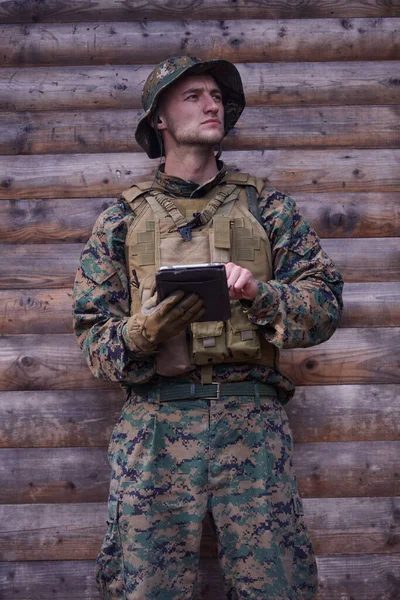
(238, 41)
(259, 128)
(43, 362)
(75, 531)
(365, 577)
(50, 419)
(136, 10)
(49, 311)
(265, 84)
(351, 356)
(326, 413)
(350, 215)
(28, 266)
(71, 220)
(105, 175)
(371, 305)
(347, 469)
(365, 214)
(324, 470)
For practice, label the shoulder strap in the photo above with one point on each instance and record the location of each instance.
(253, 186)
(136, 190)
(252, 201)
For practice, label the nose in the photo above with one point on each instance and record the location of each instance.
(211, 105)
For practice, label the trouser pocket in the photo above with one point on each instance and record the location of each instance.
(109, 563)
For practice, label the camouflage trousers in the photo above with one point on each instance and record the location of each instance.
(174, 461)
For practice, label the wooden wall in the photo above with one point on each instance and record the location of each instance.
(323, 90)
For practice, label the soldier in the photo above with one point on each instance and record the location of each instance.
(203, 429)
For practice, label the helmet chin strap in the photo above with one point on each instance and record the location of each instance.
(219, 152)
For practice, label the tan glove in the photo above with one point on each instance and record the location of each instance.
(158, 322)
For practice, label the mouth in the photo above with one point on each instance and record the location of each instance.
(211, 122)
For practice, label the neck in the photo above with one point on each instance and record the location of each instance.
(196, 164)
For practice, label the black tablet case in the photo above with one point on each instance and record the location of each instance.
(208, 281)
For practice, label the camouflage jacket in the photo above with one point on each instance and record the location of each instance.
(300, 307)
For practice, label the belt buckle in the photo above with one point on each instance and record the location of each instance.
(218, 396)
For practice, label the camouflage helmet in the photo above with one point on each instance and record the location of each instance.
(163, 75)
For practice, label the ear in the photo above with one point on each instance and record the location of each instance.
(160, 124)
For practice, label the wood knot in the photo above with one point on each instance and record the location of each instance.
(311, 363)
(27, 361)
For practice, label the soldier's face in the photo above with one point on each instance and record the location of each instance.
(192, 112)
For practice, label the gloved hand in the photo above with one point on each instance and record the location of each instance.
(158, 322)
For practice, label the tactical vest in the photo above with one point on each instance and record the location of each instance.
(228, 232)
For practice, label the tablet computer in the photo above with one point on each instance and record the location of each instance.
(207, 280)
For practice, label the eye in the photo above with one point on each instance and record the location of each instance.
(192, 97)
(217, 97)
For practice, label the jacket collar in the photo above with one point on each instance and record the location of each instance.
(175, 186)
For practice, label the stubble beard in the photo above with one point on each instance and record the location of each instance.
(196, 137)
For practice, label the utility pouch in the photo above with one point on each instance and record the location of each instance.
(208, 342)
(172, 358)
(242, 335)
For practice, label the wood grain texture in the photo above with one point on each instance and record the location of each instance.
(66, 220)
(43, 311)
(43, 221)
(277, 40)
(326, 413)
(351, 215)
(13, 11)
(324, 470)
(351, 356)
(66, 418)
(259, 128)
(266, 84)
(51, 419)
(32, 266)
(371, 305)
(75, 531)
(105, 175)
(348, 577)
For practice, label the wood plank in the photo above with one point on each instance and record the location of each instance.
(368, 577)
(37, 221)
(75, 531)
(324, 470)
(136, 10)
(348, 469)
(365, 577)
(49, 311)
(268, 84)
(105, 175)
(50, 419)
(67, 418)
(41, 475)
(326, 413)
(351, 215)
(28, 266)
(259, 128)
(351, 356)
(371, 305)
(41, 362)
(238, 41)
(67, 220)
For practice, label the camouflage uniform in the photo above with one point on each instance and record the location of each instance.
(172, 462)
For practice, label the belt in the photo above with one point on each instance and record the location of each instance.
(167, 392)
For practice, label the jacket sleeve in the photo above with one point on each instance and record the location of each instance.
(302, 305)
(101, 304)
